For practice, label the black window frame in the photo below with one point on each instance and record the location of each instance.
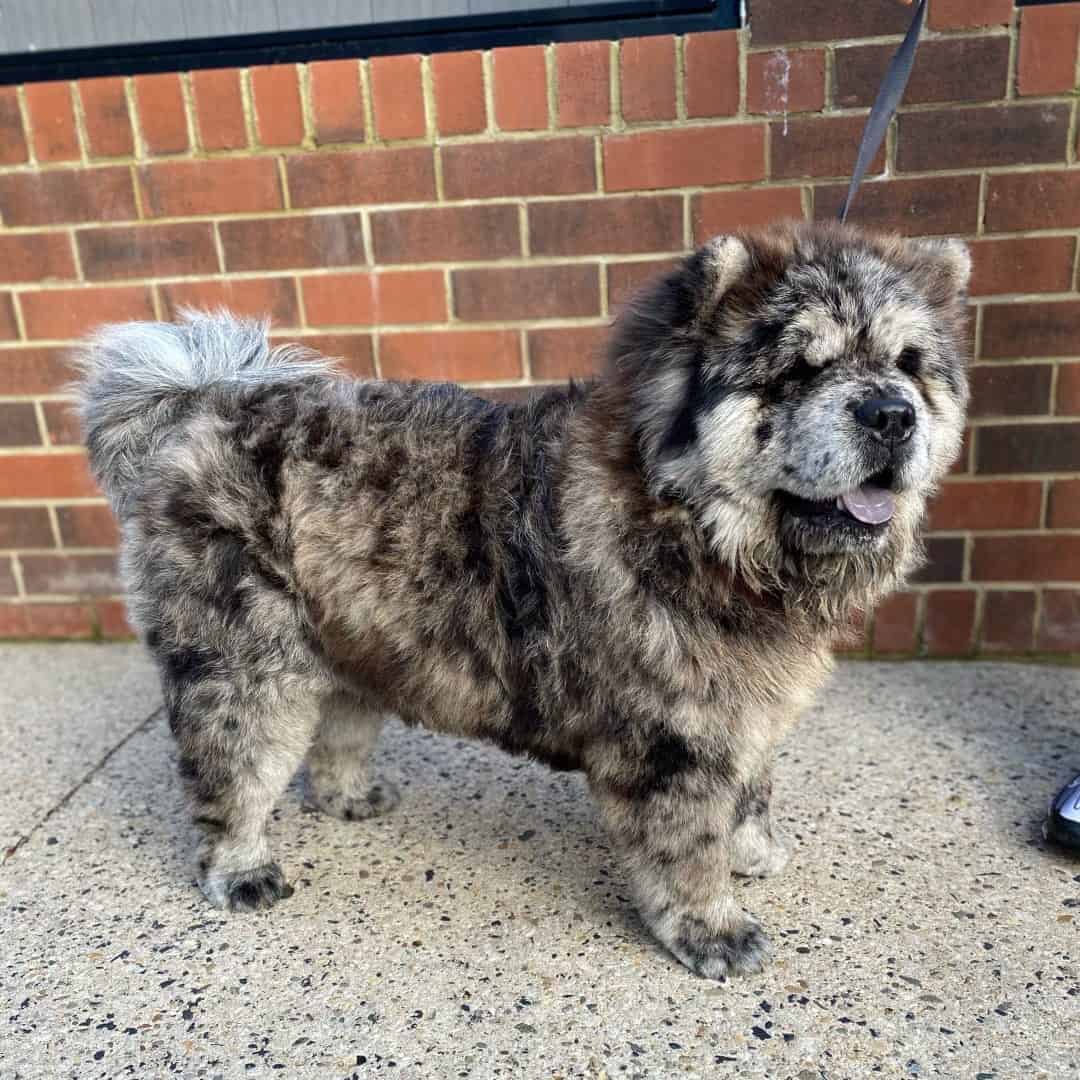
(634, 18)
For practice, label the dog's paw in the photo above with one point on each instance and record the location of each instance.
(743, 950)
(247, 890)
(763, 860)
(380, 798)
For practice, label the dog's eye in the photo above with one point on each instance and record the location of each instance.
(802, 370)
(910, 362)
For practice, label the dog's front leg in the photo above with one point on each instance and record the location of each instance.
(674, 828)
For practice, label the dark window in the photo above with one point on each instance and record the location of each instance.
(58, 39)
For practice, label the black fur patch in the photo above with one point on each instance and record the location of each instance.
(668, 756)
(184, 666)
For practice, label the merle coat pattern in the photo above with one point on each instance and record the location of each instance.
(639, 577)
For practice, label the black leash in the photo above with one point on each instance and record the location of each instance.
(886, 104)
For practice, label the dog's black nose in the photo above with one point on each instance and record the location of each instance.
(890, 419)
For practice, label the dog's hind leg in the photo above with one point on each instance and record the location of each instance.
(755, 850)
(339, 780)
(241, 740)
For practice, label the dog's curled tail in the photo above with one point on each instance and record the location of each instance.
(138, 379)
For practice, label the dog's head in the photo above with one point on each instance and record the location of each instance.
(802, 390)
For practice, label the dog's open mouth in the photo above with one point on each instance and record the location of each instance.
(869, 506)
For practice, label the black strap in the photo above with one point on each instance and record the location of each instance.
(888, 100)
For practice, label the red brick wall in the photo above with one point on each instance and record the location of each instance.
(480, 216)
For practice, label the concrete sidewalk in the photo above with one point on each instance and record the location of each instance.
(483, 929)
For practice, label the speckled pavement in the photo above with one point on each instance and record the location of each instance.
(483, 930)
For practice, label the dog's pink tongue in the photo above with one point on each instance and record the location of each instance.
(871, 505)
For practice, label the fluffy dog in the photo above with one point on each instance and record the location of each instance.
(639, 577)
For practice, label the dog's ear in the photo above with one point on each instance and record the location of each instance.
(724, 261)
(948, 260)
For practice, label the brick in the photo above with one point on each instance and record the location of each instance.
(105, 113)
(682, 157)
(13, 149)
(87, 525)
(337, 101)
(45, 476)
(147, 251)
(314, 241)
(717, 212)
(61, 423)
(566, 352)
(222, 186)
(985, 135)
(71, 575)
(528, 292)
(949, 626)
(1068, 390)
(54, 621)
(530, 167)
(1028, 448)
(1008, 620)
(987, 504)
(951, 69)
(9, 329)
(785, 81)
(8, 585)
(458, 82)
(775, 22)
(625, 278)
(162, 114)
(818, 146)
(398, 100)
(219, 109)
(1046, 557)
(353, 351)
(18, 424)
(711, 62)
(34, 371)
(455, 355)
(647, 78)
(1046, 62)
(944, 560)
(1059, 627)
(1032, 329)
(279, 118)
(934, 206)
(52, 120)
(1022, 265)
(63, 195)
(611, 225)
(25, 527)
(442, 234)
(260, 298)
(583, 82)
(112, 621)
(1046, 200)
(965, 14)
(66, 314)
(363, 299)
(894, 624)
(1063, 508)
(358, 177)
(519, 88)
(1010, 390)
